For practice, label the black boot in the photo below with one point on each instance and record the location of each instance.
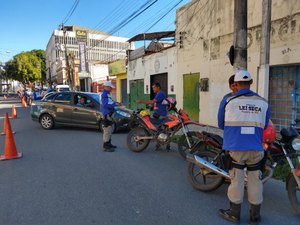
(111, 145)
(157, 147)
(168, 147)
(254, 214)
(107, 147)
(232, 214)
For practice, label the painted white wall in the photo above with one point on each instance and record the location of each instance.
(206, 31)
(156, 63)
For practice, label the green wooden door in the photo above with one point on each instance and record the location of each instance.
(136, 92)
(191, 95)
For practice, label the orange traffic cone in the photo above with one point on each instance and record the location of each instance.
(24, 102)
(6, 121)
(10, 150)
(13, 112)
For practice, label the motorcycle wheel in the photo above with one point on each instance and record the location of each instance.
(183, 148)
(137, 146)
(294, 195)
(202, 179)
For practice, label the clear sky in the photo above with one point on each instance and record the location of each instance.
(28, 24)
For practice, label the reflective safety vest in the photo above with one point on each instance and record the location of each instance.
(243, 117)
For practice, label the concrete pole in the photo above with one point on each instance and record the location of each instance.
(67, 58)
(240, 34)
(264, 67)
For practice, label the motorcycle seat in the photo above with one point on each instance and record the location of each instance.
(216, 137)
(158, 122)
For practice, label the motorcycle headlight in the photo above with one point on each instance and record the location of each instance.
(124, 114)
(296, 144)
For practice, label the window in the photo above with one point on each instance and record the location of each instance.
(63, 97)
(84, 101)
(49, 96)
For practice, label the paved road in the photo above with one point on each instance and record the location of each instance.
(65, 179)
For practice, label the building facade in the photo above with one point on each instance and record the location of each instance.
(152, 67)
(81, 62)
(204, 34)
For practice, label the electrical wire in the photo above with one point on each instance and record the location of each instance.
(160, 18)
(71, 11)
(133, 16)
(127, 20)
(114, 15)
(140, 28)
(163, 16)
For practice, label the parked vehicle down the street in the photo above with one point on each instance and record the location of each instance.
(62, 87)
(64, 108)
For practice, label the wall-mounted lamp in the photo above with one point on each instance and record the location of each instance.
(147, 88)
(172, 88)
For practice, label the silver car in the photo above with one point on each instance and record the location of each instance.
(64, 108)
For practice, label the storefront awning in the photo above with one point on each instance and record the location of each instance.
(152, 36)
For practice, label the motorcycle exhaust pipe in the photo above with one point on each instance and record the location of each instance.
(270, 174)
(207, 165)
(138, 138)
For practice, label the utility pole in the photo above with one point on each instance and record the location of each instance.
(72, 69)
(49, 71)
(240, 34)
(67, 58)
(264, 61)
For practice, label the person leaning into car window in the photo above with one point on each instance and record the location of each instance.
(107, 107)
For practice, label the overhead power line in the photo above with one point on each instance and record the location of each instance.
(164, 15)
(127, 20)
(133, 16)
(115, 14)
(71, 11)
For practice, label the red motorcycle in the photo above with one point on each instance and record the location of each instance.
(162, 131)
(207, 169)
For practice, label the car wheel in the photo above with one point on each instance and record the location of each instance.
(47, 121)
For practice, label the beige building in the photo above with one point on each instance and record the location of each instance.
(88, 53)
(204, 35)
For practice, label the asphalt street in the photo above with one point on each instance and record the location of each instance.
(64, 178)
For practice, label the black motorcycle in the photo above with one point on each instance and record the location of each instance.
(207, 169)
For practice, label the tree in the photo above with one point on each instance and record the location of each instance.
(41, 55)
(25, 67)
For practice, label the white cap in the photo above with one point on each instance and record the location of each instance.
(108, 84)
(242, 75)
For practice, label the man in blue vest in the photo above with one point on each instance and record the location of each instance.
(160, 111)
(243, 116)
(37, 94)
(107, 107)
